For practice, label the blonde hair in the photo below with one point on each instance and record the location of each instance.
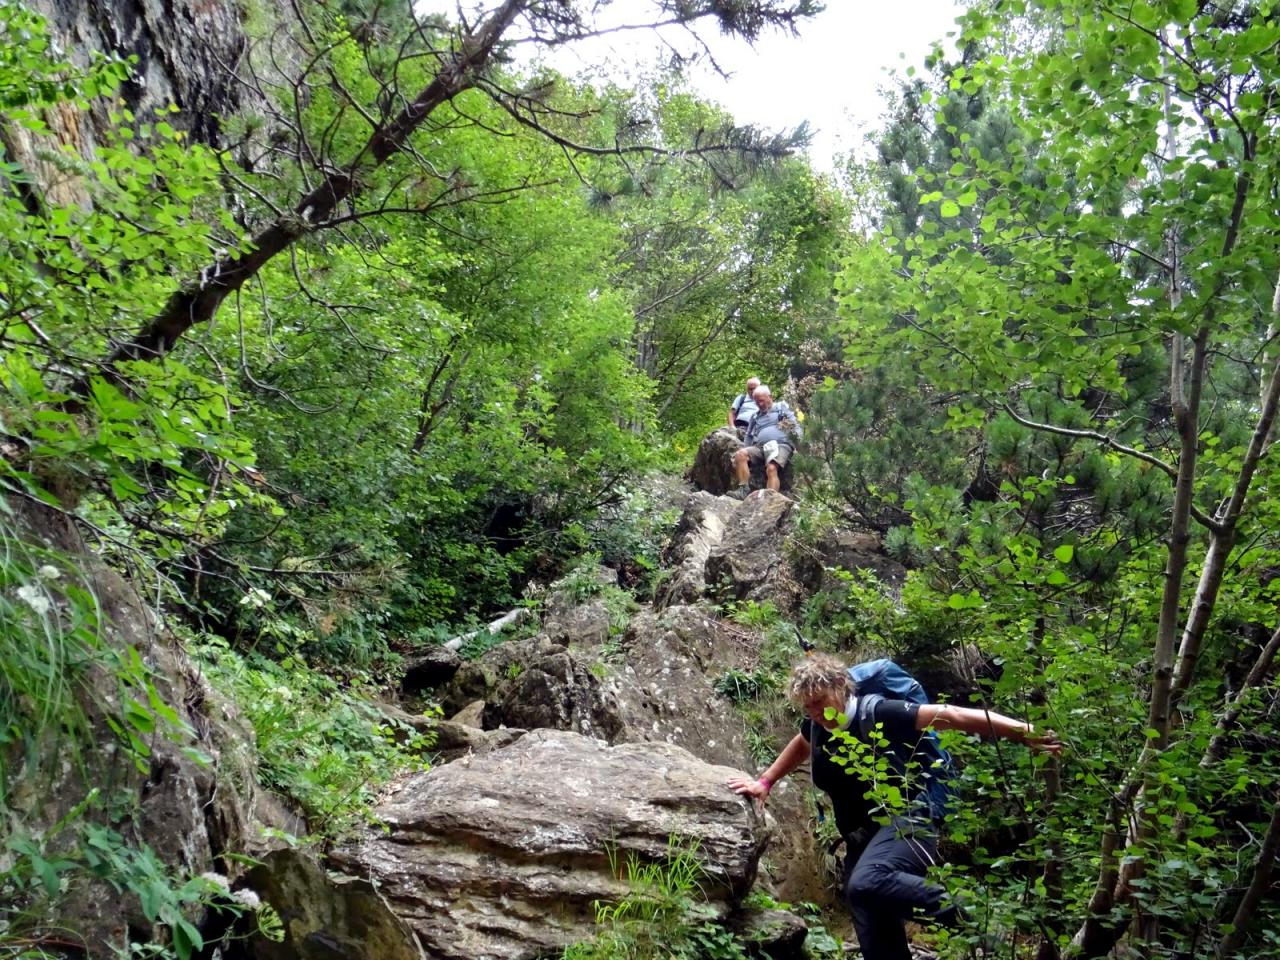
(818, 674)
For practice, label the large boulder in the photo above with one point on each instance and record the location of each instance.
(658, 685)
(699, 531)
(666, 684)
(429, 669)
(724, 549)
(588, 624)
(504, 856)
(749, 562)
(326, 917)
(559, 691)
(712, 468)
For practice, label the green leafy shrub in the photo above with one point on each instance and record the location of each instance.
(319, 743)
(751, 613)
(41, 867)
(664, 914)
(738, 686)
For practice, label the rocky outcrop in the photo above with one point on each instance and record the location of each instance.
(558, 691)
(430, 668)
(325, 917)
(730, 550)
(749, 561)
(503, 856)
(699, 531)
(584, 624)
(712, 468)
(657, 685)
(537, 683)
(195, 795)
(666, 684)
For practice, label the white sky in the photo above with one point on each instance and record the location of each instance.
(830, 75)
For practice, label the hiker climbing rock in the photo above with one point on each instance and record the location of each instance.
(770, 439)
(881, 705)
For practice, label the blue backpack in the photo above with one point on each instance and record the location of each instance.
(877, 680)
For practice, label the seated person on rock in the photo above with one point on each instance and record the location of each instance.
(884, 881)
(770, 439)
(744, 407)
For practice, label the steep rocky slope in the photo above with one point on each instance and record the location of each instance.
(500, 850)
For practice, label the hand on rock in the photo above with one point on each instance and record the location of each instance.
(749, 788)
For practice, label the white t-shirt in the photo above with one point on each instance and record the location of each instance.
(744, 408)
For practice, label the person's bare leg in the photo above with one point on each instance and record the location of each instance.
(771, 477)
(741, 466)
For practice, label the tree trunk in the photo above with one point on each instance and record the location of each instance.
(1223, 539)
(1100, 930)
(1232, 941)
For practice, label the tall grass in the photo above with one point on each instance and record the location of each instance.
(663, 915)
(49, 638)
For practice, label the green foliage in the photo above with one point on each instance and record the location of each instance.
(750, 613)
(863, 617)
(318, 742)
(1020, 296)
(738, 687)
(49, 645)
(41, 867)
(663, 914)
(584, 582)
(630, 532)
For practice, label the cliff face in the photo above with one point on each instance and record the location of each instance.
(188, 52)
(194, 54)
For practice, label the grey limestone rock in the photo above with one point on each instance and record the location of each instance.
(666, 684)
(503, 855)
(749, 561)
(712, 468)
(699, 531)
(326, 917)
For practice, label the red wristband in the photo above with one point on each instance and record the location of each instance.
(768, 784)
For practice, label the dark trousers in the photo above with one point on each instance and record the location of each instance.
(886, 885)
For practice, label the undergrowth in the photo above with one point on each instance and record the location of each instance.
(663, 915)
(319, 743)
(64, 679)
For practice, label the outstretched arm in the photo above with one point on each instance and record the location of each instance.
(792, 755)
(987, 723)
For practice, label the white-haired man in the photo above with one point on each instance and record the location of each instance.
(770, 439)
(744, 406)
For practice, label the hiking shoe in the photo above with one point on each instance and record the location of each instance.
(740, 492)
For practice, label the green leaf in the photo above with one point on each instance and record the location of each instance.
(186, 939)
(1064, 552)
(949, 209)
